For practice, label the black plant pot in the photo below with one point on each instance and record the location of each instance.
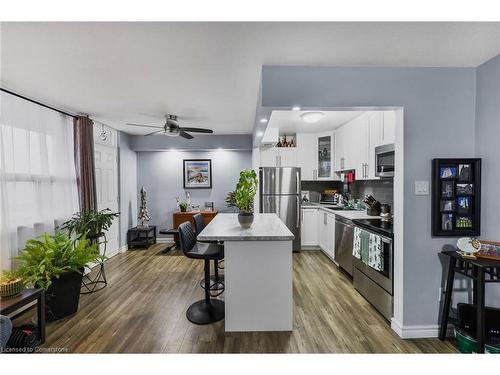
(63, 296)
(245, 219)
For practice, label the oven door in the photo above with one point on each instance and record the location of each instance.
(382, 278)
(384, 160)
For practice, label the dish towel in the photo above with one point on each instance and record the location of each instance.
(365, 244)
(356, 248)
(376, 252)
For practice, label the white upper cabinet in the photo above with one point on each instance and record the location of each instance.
(389, 128)
(375, 123)
(306, 156)
(325, 156)
(278, 157)
(269, 157)
(287, 156)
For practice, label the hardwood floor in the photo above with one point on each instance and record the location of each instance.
(143, 311)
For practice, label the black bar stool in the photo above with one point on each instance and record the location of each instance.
(207, 310)
(216, 280)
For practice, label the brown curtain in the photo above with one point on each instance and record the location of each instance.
(84, 162)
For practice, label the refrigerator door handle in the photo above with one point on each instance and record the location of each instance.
(297, 183)
(299, 212)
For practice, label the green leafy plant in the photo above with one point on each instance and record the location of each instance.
(46, 258)
(90, 223)
(246, 190)
(231, 199)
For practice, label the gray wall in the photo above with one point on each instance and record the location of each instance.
(487, 140)
(161, 175)
(439, 114)
(128, 187)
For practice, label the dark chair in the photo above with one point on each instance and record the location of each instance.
(208, 310)
(216, 280)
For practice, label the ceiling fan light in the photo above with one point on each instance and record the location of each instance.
(311, 117)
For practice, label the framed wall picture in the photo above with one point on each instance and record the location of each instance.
(456, 197)
(197, 173)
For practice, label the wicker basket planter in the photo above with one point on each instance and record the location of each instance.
(12, 288)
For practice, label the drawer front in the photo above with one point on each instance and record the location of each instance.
(376, 295)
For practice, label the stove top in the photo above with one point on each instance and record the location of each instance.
(385, 228)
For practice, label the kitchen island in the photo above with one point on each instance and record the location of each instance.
(258, 272)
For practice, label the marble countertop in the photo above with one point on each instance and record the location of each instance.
(348, 214)
(265, 227)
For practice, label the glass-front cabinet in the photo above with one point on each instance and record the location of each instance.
(324, 156)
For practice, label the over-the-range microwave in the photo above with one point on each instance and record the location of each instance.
(384, 160)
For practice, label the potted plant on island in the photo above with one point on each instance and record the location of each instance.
(244, 196)
(55, 263)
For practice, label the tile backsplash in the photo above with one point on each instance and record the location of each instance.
(382, 190)
(315, 188)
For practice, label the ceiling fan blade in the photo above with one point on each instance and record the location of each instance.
(197, 130)
(155, 132)
(145, 126)
(183, 134)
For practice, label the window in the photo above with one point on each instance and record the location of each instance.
(37, 174)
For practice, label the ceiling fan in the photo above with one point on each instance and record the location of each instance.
(172, 128)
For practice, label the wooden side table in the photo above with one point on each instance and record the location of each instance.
(12, 304)
(139, 236)
(481, 271)
(180, 217)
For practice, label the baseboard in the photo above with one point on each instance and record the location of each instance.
(418, 332)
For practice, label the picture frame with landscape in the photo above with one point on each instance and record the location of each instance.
(197, 173)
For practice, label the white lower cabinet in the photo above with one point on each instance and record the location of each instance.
(322, 229)
(309, 227)
(330, 244)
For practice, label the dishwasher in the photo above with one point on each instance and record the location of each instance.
(344, 235)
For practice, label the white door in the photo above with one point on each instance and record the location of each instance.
(106, 173)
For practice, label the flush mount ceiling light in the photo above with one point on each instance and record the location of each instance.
(312, 117)
(263, 120)
(296, 108)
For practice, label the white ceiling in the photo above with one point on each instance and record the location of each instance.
(290, 122)
(210, 71)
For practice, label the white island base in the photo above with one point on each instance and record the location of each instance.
(258, 286)
(257, 270)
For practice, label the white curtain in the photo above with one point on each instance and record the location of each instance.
(37, 173)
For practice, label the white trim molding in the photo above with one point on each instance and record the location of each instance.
(418, 332)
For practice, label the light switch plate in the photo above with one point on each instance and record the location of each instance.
(421, 187)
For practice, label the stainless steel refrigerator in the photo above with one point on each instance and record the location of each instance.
(280, 193)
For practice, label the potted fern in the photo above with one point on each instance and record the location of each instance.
(244, 196)
(55, 263)
(90, 223)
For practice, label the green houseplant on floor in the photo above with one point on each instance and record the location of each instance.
(244, 196)
(90, 223)
(55, 263)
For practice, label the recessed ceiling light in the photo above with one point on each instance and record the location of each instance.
(296, 108)
(260, 134)
(263, 120)
(312, 117)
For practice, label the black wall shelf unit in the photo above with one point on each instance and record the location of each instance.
(456, 197)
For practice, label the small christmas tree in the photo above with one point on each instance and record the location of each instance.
(143, 216)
